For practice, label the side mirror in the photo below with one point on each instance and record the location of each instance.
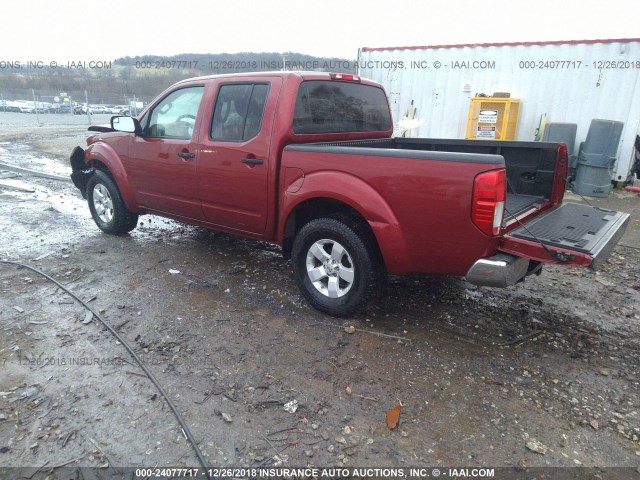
(122, 123)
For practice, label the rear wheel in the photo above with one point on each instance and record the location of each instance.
(106, 205)
(337, 265)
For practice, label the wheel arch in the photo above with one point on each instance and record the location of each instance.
(343, 281)
(102, 157)
(313, 208)
(113, 217)
(375, 214)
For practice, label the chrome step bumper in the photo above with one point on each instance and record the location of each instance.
(500, 271)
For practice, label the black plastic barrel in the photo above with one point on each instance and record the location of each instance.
(597, 158)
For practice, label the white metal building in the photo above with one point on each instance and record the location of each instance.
(569, 81)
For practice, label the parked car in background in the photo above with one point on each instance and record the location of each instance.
(26, 106)
(97, 109)
(29, 106)
(117, 109)
(43, 107)
(9, 106)
(79, 109)
(64, 108)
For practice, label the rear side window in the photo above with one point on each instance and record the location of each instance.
(238, 112)
(338, 107)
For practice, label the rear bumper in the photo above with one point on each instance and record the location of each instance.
(500, 271)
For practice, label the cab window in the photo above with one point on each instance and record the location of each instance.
(338, 107)
(175, 115)
(238, 112)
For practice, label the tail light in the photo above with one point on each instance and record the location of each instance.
(489, 193)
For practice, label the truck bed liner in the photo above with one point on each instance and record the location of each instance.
(517, 204)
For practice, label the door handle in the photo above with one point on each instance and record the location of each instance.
(252, 161)
(186, 155)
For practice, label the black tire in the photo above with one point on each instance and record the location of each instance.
(356, 258)
(106, 205)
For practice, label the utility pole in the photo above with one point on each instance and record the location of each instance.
(86, 99)
(35, 105)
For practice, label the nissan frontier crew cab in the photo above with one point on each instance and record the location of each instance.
(307, 161)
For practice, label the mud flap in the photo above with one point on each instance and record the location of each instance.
(573, 234)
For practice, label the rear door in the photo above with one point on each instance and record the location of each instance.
(233, 163)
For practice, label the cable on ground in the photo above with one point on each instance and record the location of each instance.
(183, 424)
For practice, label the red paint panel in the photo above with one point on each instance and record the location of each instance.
(428, 200)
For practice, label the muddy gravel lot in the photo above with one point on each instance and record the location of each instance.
(542, 374)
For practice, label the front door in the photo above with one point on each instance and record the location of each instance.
(162, 160)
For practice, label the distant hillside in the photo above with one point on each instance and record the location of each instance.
(239, 62)
(143, 77)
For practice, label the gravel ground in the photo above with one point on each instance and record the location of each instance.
(542, 374)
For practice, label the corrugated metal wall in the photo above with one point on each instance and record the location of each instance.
(571, 82)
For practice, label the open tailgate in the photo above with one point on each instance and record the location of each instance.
(573, 234)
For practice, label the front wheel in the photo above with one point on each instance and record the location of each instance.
(106, 205)
(337, 265)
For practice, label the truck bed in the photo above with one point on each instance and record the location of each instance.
(436, 175)
(517, 204)
(530, 165)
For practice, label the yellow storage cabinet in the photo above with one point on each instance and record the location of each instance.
(492, 118)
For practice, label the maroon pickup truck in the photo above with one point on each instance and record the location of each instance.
(307, 161)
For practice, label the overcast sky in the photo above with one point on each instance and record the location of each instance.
(104, 30)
